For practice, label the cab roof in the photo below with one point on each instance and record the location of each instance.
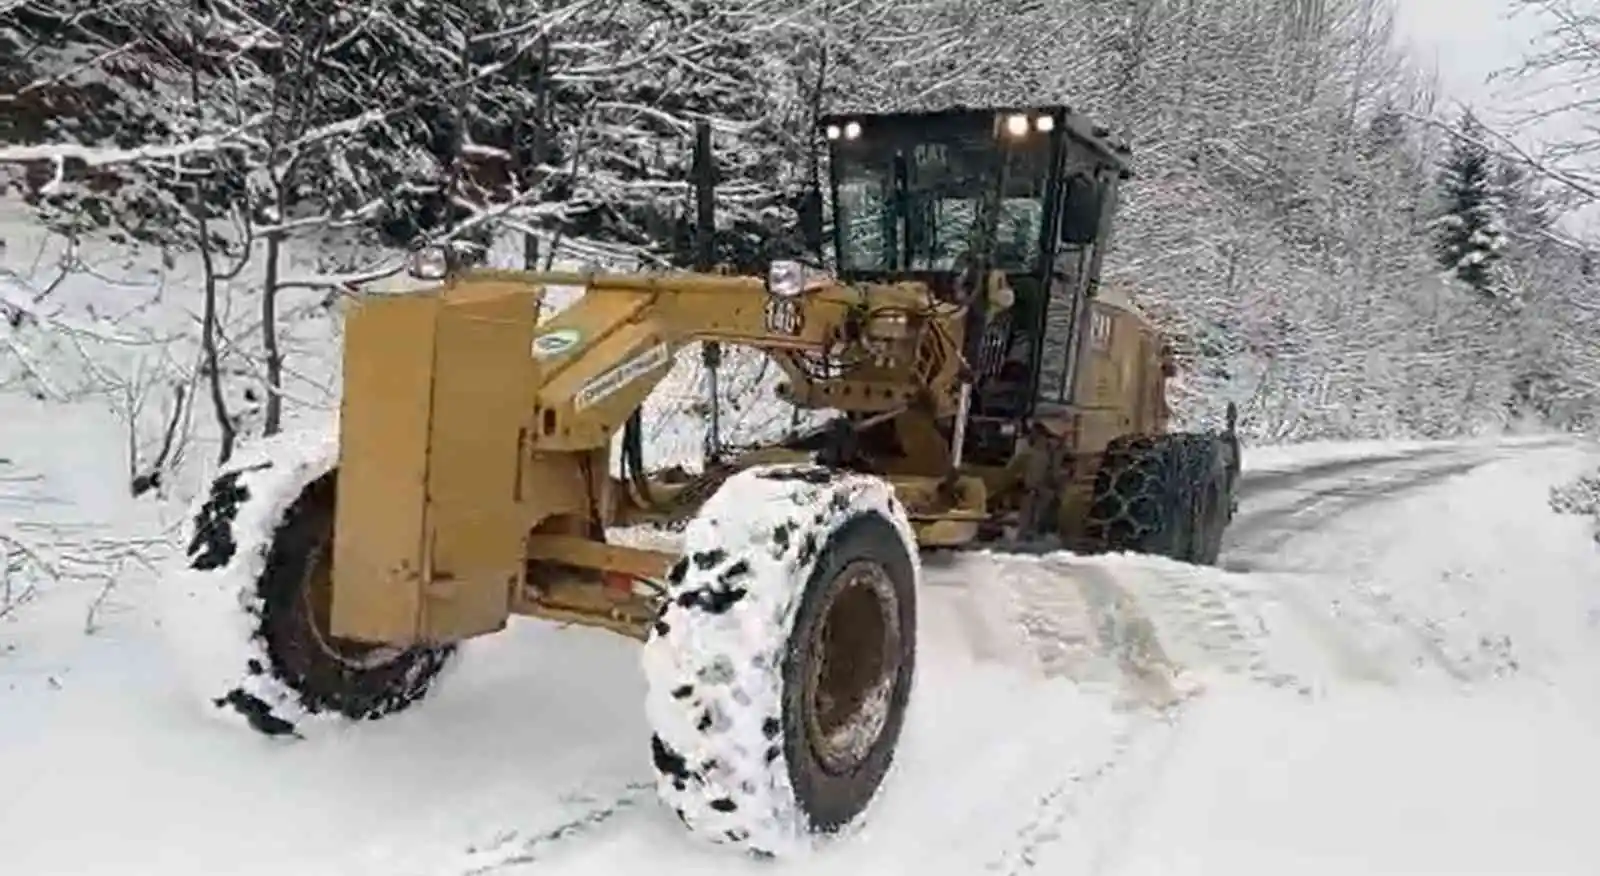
(929, 124)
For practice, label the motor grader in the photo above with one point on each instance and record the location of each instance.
(983, 389)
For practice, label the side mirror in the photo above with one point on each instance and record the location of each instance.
(810, 213)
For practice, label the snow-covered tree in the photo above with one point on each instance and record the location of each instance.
(1471, 224)
(1279, 224)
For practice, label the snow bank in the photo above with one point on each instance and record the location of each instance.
(1580, 496)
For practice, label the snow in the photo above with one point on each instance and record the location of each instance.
(1454, 756)
(1398, 649)
(1344, 706)
(96, 156)
(1394, 671)
(1370, 782)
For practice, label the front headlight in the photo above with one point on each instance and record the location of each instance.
(786, 279)
(430, 262)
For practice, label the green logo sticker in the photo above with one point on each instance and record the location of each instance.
(555, 343)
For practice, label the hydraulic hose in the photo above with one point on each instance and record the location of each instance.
(633, 458)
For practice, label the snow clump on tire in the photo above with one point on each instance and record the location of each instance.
(216, 615)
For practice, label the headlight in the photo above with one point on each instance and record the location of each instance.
(429, 263)
(786, 279)
(889, 325)
(849, 131)
(1017, 125)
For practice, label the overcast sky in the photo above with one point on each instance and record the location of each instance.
(1467, 40)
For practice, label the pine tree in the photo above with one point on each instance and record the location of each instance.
(1471, 229)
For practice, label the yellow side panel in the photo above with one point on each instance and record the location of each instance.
(593, 399)
(482, 399)
(378, 557)
(1098, 377)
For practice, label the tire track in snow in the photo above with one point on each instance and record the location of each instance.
(1123, 633)
(1257, 534)
(1269, 480)
(1254, 541)
(1097, 803)
(1138, 755)
(1254, 482)
(517, 848)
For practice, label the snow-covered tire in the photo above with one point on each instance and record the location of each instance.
(247, 612)
(785, 570)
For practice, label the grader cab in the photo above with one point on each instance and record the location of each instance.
(984, 390)
(1025, 198)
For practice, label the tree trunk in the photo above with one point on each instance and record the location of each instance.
(227, 435)
(273, 420)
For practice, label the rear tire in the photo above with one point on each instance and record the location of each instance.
(251, 608)
(1166, 495)
(781, 666)
(1213, 472)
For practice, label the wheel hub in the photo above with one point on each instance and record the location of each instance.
(854, 662)
(317, 596)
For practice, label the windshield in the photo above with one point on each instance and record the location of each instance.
(931, 219)
(867, 226)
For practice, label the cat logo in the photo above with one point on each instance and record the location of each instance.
(1099, 330)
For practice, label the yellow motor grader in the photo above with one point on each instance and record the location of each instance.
(983, 390)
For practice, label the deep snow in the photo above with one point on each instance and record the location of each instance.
(1398, 679)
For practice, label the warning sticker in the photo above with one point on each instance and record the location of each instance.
(602, 387)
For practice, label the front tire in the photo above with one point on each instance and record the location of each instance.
(251, 607)
(781, 667)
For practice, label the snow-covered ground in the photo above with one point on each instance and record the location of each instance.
(1400, 674)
